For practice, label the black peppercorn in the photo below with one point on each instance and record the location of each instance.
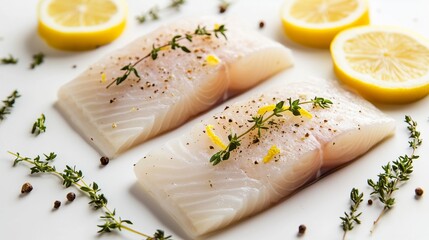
(57, 204)
(369, 201)
(104, 160)
(418, 191)
(222, 9)
(301, 229)
(71, 196)
(26, 188)
(261, 24)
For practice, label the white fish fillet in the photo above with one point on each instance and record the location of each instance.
(173, 88)
(203, 198)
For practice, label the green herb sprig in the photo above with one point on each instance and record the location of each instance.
(154, 12)
(39, 125)
(174, 44)
(350, 219)
(37, 60)
(9, 60)
(8, 104)
(260, 123)
(70, 176)
(395, 173)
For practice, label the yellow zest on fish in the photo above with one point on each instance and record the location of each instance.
(264, 109)
(273, 151)
(305, 113)
(214, 138)
(103, 78)
(212, 60)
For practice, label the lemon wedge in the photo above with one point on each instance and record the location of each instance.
(315, 23)
(384, 64)
(81, 24)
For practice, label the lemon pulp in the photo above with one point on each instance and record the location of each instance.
(81, 24)
(383, 64)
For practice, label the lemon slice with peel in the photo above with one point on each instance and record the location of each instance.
(316, 22)
(384, 64)
(81, 24)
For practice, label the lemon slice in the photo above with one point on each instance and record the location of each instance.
(316, 22)
(81, 24)
(384, 64)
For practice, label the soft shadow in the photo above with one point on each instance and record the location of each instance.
(34, 43)
(157, 211)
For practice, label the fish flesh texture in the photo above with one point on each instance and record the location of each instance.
(172, 88)
(202, 198)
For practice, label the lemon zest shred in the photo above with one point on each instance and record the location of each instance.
(274, 150)
(212, 60)
(213, 137)
(216, 26)
(305, 113)
(165, 48)
(264, 109)
(103, 78)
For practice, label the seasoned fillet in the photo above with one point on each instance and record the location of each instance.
(203, 198)
(173, 88)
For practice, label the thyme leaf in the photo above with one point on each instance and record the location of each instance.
(37, 60)
(9, 60)
(154, 12)
(39, 125)
(8, 104)
(351, 218)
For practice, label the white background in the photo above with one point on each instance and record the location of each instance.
(318, 206)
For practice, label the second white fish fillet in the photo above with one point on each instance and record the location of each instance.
(203, 198)
(173, 88)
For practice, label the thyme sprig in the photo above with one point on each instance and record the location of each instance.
(8, 104)
(154, 12)
(70, 176)
(260, 122)
(173, 44)
(37, 60)
(395, 173)
(39, 125)
(350, 219)
(9, 60)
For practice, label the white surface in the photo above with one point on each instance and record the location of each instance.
(318, 206)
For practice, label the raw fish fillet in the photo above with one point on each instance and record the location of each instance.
(173, 88)
(202, 198)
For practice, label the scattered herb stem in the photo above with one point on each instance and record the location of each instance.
(9, 60)
(173, 44)
(8, 104)
(70, 176)
(39, 125)
(260, 120)
(154, 12)
(395, 173)
(37, 60)
(351, 218)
